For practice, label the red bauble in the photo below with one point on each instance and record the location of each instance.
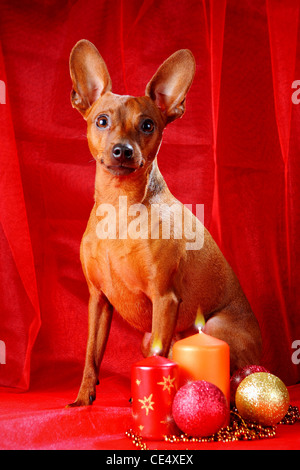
(200, 408)
(239, 375)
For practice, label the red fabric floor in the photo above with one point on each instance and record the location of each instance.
(38, 420)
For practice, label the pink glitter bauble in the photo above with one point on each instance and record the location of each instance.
(200, 409)
(239, 375)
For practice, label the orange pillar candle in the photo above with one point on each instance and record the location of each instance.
(203, 357)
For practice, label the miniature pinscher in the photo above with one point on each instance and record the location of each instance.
(156, 283)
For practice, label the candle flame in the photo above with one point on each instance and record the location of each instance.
(156, 346)
(199, 322)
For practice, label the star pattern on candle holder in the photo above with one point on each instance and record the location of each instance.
(167, 383)
(147, 404)
(168, 420)
(138, 382)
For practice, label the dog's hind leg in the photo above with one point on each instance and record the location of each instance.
(240, 330)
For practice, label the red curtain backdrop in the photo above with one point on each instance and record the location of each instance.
(236, 151)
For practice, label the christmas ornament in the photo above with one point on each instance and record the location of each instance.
(262, 398)
(200, 408)
(153, 387)
(239, 430)
(239, 375)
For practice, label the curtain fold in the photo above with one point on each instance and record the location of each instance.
(19, 337)
(283, 28)
(283, 34)
(217, 13)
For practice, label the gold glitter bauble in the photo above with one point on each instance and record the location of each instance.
(262, 398)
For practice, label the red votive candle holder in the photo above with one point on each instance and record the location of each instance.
(154, 383)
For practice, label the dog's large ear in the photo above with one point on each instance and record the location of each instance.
(169, 86)
(89, 76)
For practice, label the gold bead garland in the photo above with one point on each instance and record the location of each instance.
(292, 416)
(239, 430)
(137, 440)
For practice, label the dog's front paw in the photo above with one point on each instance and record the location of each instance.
(85, 398)
(79, 402)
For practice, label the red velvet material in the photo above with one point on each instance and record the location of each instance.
(236, 151)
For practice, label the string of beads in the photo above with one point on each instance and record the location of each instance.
(238, 430)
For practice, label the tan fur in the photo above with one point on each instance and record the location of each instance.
(156, 285)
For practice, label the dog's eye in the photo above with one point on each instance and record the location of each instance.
(102, 121)
(148, 126)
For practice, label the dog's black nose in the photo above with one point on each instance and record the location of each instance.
(122, 151)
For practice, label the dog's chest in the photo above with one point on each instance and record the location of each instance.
(115, 268)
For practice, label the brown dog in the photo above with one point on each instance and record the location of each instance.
(157, 282)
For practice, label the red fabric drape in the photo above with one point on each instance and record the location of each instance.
(283, 26)
(236, 150)
(215, 34)
(20, 315)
